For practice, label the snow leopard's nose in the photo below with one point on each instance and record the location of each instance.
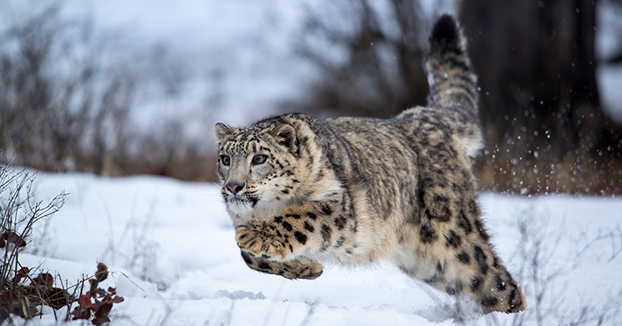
(235, 187)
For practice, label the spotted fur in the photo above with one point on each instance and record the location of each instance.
(355, 191)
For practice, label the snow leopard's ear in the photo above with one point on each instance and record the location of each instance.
(223, 132)
(285, 135)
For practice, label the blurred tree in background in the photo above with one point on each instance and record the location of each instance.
(383, 59)
(540, 105)
(540, 109)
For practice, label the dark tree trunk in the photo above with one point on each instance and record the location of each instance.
(540, 105)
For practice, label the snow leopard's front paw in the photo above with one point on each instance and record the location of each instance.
(259, 239)
(299, 268)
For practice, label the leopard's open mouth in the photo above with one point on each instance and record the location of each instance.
(238, 199)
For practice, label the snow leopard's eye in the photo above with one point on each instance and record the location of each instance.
(225, 160)
(259, 159)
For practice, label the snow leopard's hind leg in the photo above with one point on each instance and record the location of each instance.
(447, 245)
(444, 242)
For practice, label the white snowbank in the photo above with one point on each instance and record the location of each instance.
(171, 249)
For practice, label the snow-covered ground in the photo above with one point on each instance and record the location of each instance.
(171, 250)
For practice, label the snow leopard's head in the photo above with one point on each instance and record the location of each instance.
(258, 166)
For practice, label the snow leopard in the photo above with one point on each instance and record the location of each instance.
(303, 191)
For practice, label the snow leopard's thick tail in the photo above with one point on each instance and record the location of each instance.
(450, 75)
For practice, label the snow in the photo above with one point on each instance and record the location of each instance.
(171, 250)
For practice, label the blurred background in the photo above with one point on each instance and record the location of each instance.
(125, 87)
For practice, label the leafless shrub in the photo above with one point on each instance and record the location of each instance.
(21, 292)
(61, 109)
(19, 211)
